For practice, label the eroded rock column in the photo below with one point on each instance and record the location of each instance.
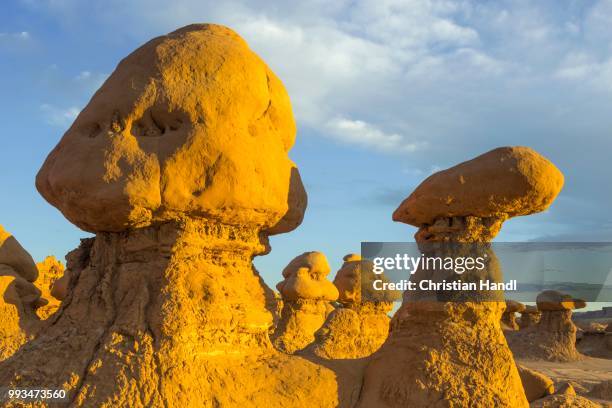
(307, 297)
(360, 325)
(448, 348)
(554, 336)
(179, 165)
(19, 297)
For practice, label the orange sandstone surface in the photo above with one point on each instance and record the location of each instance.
(442, 352)
(179, 165)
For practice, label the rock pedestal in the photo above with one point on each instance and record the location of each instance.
(509, 317)
(19, 297)
(448, 349)
(198, 318)
(360, 325)
(307, 297)
(554, 337)
(50, 271)
(529, 317)
(179, 165)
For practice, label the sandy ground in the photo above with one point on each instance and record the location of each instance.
(587, 372)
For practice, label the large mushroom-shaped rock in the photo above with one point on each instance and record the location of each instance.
(509, 317)
(529, 317)
(50, 270)
(19, 297)
(306, 295)
(360, 325)
(179, 165)
(191, 123)
(554, 337)
(448, 348)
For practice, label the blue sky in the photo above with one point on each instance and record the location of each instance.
(385, 92)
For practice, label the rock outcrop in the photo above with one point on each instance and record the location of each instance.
(448, 349)
(360, 325)
(565, 400)
(536, 385)
(50, 270)
(19, 298)
(602, 391)
(554, 337)
(307, 297)
(509, 317)
(179, 165)
(529, 317)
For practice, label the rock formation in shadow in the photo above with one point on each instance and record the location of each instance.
(509, 316)
(530, 316)
(360, 325)
(447, 348)
(554, 337)
(307, 297)
(179, 165)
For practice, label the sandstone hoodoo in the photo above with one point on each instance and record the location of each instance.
(19, 297)
(434, 354)
(50, 271)
(179, 165)
(509, 317)
(307, 297)
(360, 325)
(554, 337)
(529, 317)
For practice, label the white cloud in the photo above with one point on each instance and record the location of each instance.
(14, 37)
(367, 135)
(341, 59)
(61, 117)
(583, 68)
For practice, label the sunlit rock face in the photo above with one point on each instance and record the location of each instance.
(179, 165)
(438, 340)
(19, 297)
(50, 271)
(360, 324)
(192, 123)
(307, 295)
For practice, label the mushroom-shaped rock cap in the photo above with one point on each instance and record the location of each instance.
(530, 309)
(505, 182)
(354, 281)
(13, 255)
(316, 263)
(192, 123)
(512, 306)
(551, 300)
(305, 278)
